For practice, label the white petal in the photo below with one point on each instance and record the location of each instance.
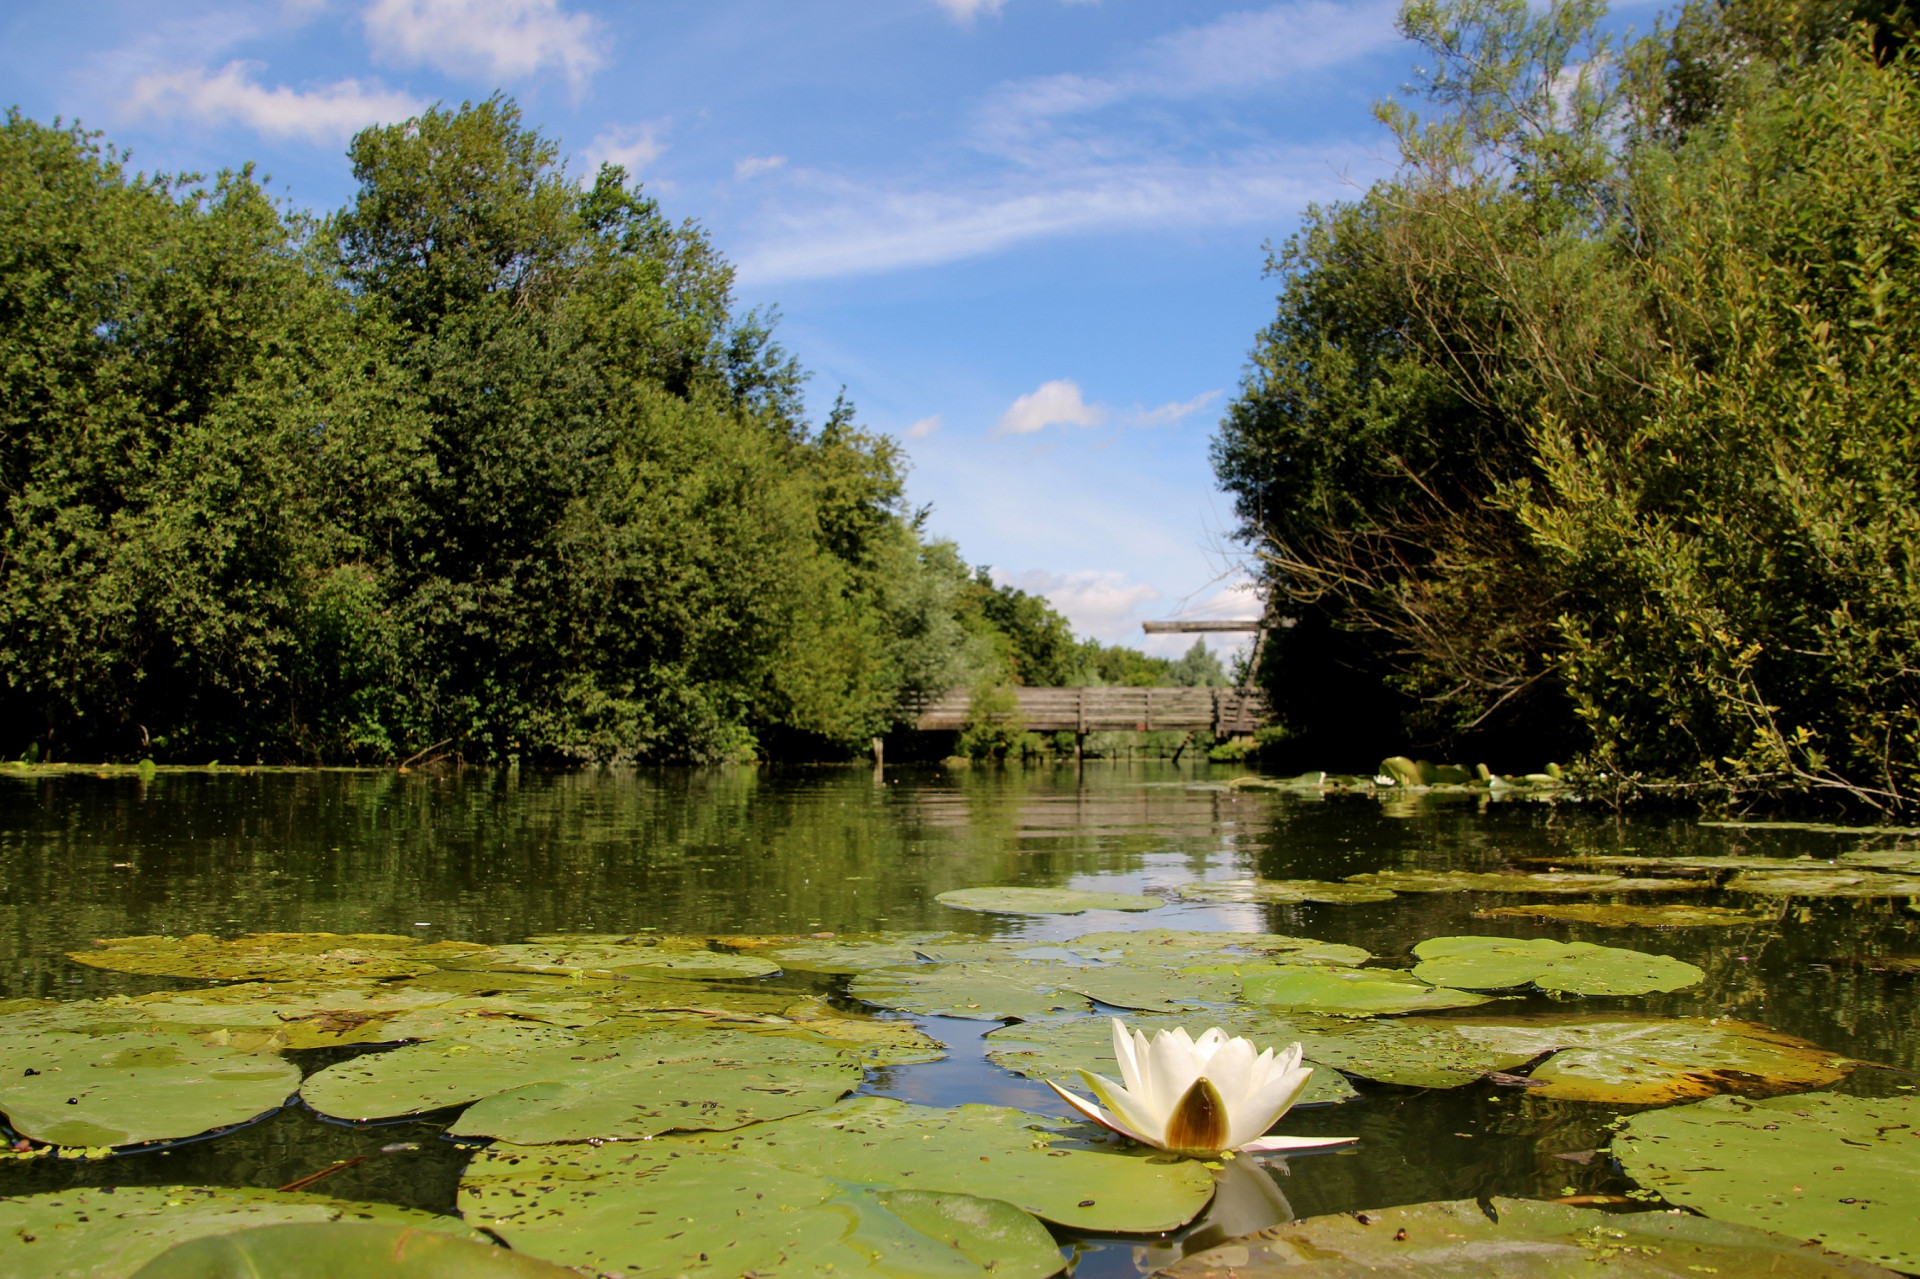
(1129, 1054)
(1231, 1070)
(1096, 1114)
(1263, 1110)
(1170, 1070)
(1292, 1143)
(1128, 1109)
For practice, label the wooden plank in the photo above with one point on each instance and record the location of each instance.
(1092, 710)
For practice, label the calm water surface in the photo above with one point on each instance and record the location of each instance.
(491, 857)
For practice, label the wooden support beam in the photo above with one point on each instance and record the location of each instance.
(1203, 626)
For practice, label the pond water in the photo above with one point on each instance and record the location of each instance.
(495, 858)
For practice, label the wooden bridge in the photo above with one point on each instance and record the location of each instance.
(1221, 711)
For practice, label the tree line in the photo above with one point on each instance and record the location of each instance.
(1595, 429)
(488, 457)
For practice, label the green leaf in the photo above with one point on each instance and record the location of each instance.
(122, 1089)
(1833, 1169)
(983, 991)
(1057, 1048)
(636, 957)
(94, 1233)
(668, 1209)
(1847, 882)
(561, 1088)
(1014, 900)
(989, 1151)
(1352, 992)
(269, 956)
(1183, 948)
(1657, 1060)
(1460, 881)
(1284, 891)
(858, 954)
(1621, 915)
(1522, 1239)
(313, 1250)
(1576, 968)
(1415, 1052)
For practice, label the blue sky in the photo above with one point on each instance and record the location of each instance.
(1026, 235)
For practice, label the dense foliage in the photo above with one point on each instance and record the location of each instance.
(1596, 427)
(487, 457)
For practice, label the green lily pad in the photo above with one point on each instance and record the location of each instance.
(660, 1209)
(640, 957)
(1414, 1052)
(564, 1089)
(315, 1250)
(1574, 968)
(95, 1233)
(1152, 989)
(1836, 1170)
(985, 991)
(1716, 863)
(1283, 891)
(990, 1151)
(1654, 1061)
(1817, 828)
(847, 955)
(1055, 1049)
(123, 1089)
(1183, 948)
(1463, 881)
(1621, 915)
(1352, 992)
(1014, 900)
(1894, 859)
(1521, 1239)
(266, 956)
(1834, 883)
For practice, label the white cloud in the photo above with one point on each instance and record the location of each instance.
(1101, 603)
(752, 166)
(493, 39)
(1169, 413)
(924, 427)
(231, 95)
(968, 10)
(633, 146)
(1055, 403)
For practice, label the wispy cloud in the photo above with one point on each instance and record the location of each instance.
(1055, 403)
(493, 39)
(924, 427)
(631, 146)
(1167, 414)
(968, 10)
(232, 95)
(752, 166)
(1090, 152)
(1099, 602)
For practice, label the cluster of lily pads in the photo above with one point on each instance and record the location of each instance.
(671, 1105)
(1398, 774)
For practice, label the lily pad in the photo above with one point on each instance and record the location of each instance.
(1414, 1052)
(1574, 968)
(1056, 1049)
(1652, 1061)
(1183, 948)
(1462, 881)
(658, 1209)
(1833, 883)
(95, 1233)
(1353, 992)
(1895, 859)
(124, 1089)
(314, 1250)
(990, 1151)
(1817, 828)
(641, 957)
(1284, 891)
(264, 956)
(857, 954)
(1622, 915)
(564, 1089)
(1013, 900)
(1833, 1169)
(984, 991)
(1521, 1239)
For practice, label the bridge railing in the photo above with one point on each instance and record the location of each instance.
(1222, 711)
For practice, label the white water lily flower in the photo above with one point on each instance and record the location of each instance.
(1200, 1096)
